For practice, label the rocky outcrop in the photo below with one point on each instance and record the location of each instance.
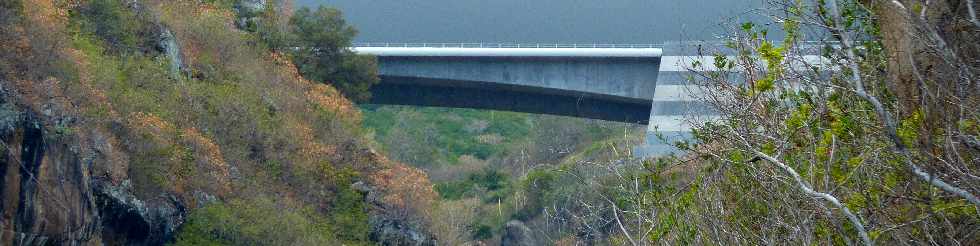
(52, 195)
(248, 12)
(126, 218)
(389, 229)
(516, 234)
(168, 43)
(251, 5)
(46, 194)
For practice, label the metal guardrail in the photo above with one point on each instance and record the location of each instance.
(508, 45)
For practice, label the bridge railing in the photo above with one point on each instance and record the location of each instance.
(508, 45)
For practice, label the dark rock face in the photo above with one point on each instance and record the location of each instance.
(46, 200)
(128, 219)
(49, 196)
(32, 149)
(516, 234)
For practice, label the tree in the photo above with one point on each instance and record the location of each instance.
(321, 41)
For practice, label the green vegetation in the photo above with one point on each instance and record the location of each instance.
(477, 184)
(439, 136)
(259, 221)
(262, 221)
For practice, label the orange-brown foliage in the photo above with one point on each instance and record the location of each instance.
(322, 96)
(48, 12)
(327, 98)
(407, 190)
(310, 147)
(208, 157)
(156, 127)
(210, 171)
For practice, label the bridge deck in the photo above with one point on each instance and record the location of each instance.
(510, 52)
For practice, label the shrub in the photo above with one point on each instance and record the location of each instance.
(482, 232)
(453, 190)
(487, 180)
(490, 179)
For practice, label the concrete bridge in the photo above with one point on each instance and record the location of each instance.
(626, 83)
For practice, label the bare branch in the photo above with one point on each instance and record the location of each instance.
(809, 191)
(620, 223)
(885, 115)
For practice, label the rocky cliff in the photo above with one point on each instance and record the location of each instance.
(57, 189)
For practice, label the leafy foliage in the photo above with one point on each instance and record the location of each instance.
(486, 181)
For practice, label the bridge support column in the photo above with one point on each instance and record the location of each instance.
(675, 101)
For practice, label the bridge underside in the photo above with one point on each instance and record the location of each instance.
(400, 90)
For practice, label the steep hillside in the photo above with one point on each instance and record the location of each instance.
(148, 122)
